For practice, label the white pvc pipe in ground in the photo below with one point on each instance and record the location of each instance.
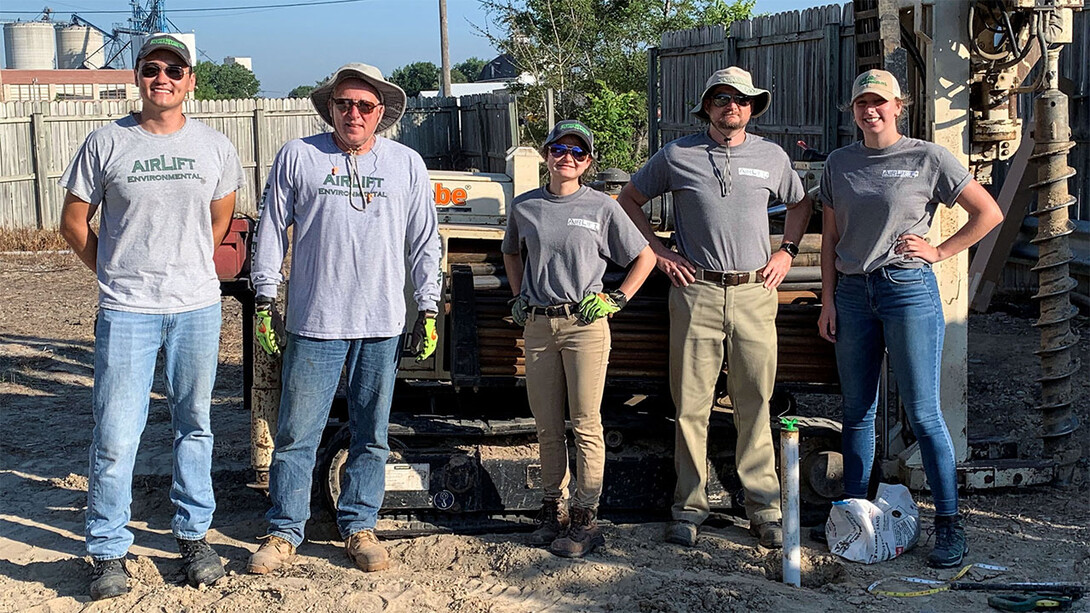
(789, 464)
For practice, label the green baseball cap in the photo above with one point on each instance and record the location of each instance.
(574, 128)
(168, 42)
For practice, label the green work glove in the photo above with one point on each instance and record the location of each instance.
(268, 326)
(424, 338)
(596, 306)
(520, 309)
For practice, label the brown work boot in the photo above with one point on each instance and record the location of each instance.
(769, 534)
(582, 536)
(552, 522)
(274, 553)
(365, 550)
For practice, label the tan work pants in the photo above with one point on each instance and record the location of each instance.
(702, 317)
(566, 360)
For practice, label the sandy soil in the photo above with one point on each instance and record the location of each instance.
(46, 314)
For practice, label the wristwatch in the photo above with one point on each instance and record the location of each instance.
(791, 248)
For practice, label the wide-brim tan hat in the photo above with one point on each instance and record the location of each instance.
(392, 97)
(878, 82)
(740, 80)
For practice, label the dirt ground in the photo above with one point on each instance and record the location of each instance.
(47, 309)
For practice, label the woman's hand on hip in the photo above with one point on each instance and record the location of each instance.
(914, 246)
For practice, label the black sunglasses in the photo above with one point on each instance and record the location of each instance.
(721, 100)
(345, 105)
(150, 71)
(578, 153)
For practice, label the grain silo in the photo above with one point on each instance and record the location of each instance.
(79, 47)
(28, 45)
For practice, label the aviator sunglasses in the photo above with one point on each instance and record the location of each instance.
(578, 153)
(345, 105)
(721, 100)
(174, 72)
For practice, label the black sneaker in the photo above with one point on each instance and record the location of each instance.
(951, 546)
(200, 562)
(108, 578)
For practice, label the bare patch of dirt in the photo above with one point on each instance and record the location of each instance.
(47, 312)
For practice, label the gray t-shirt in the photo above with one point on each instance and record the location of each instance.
(153, 193)
(880, 194)
(568, 240)
(349, 253)
(721, 197)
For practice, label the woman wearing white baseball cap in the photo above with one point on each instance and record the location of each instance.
(879, 293)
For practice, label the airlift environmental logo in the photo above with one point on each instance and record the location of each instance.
(163, 168)
(338, 185)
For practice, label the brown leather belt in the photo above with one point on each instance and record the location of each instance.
(560, 310)
(729, 278)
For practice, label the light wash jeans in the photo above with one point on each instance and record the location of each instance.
(126, 347)
(312, 370)
(898, 309)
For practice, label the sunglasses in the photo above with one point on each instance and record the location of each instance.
(150, 71)
(345, 105)
(577, 153)
(721, 100)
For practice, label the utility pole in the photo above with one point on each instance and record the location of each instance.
(445, 44)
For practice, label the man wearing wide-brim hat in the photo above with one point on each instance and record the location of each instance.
(359, 203)
(723, 301)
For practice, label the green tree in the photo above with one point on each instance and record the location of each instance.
(593, 53)
(224, 81)
(470, 67)
(301, 91)
(415, 77)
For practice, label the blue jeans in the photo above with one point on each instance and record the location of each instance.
(896, 309)
(312, 370)
(126, 347)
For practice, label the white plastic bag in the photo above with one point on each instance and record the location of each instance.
(868, 532)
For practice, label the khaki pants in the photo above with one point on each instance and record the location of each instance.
(566, 360)
(702, 317)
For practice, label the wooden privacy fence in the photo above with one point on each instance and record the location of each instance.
(38, 139)
(806, 59)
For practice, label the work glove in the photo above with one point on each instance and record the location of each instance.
(268, 325)
(596, 306)
(424, 337)
(520, 309)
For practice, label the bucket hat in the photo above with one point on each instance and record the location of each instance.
(740, 80)
(876, 82)
(575, 128)
(392, 97)
(168, 42)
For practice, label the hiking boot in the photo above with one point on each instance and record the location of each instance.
(202, 565)
(108, 578)
(365, 550)
(274, 553)
(951, 546)
(582, 535)
(681, 532)
(769, 534)
(817, 533)
(552, 521)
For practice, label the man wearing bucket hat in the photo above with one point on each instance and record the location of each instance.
(724, 280)
(164, 187)
(358, 203)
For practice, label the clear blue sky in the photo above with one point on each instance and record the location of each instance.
(297, 46)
